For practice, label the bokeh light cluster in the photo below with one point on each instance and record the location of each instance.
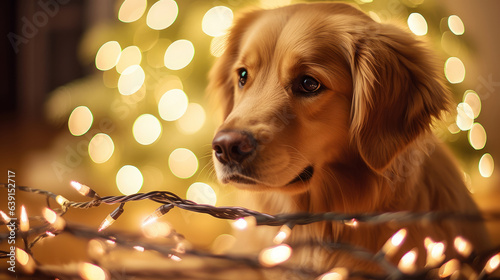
(129, 66)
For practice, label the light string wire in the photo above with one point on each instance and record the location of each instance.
(171, 200)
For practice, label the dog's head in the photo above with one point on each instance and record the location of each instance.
(308, 85)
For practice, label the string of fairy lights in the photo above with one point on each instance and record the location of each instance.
(51, 223)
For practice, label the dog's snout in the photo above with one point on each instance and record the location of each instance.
(233, 146)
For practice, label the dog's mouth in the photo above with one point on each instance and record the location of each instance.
(238, 178)
(304, 176)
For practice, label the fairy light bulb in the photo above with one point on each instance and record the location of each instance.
(139, 248)
(492, 264)
(53, 219)
(448, 268)
(24, 225)
(352, 223)
(240, 224)
(244, 223)
(175, 258)
(25, 260)
(435, 253)
(5, 219)
(462, 246)
(83, 189)
(391, 246)
(111, 218)
(61, 200)
(275, 255)
(90, 271)
(283, 234)
(407, 264)
(162, 210)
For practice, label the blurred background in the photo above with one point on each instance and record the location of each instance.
(110, 93)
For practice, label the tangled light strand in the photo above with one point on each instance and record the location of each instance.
(53, 224)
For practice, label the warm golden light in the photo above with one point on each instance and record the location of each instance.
(96, 247)
(61, 200)
(282, 235)
(179, 54)
(240, 224)
(339, 273)
(129, 180)
(106, 223)
(217, 20)
(175, 258)
(132, 10)
(131, 80)
(486, 165)
(465, 116)
(448, 268)
(201, 193)
(477, 136)
(391, 246)
(22, 256)
(454, 70)
(25, 260)
(435, 253)
(492, 264)
(456, 25)
(107, 56)
(5, 219)
(173, 104)
(474, 101)
(162, 14)
(146, 129)
(156, 229)
(90, 271)
(52, 218)
(101, 148)
(462, 246)
(50, 215)
(80, 120)
(407, 263)
(24, 225)
(223, 243)
(139, 248)
(183, 163)
(130, 56)
(417, 24)
(81, 188)
(192, 120)
(351, 223)
(275, 255)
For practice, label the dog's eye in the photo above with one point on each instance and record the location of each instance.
(308, 84)
(243, 75)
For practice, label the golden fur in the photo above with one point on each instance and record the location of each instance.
(367, 134)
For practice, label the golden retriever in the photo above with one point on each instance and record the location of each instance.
(327, 110)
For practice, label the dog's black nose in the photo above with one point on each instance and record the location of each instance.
(232, 146)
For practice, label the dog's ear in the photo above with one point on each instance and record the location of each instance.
(397, 90)
(221, 83)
